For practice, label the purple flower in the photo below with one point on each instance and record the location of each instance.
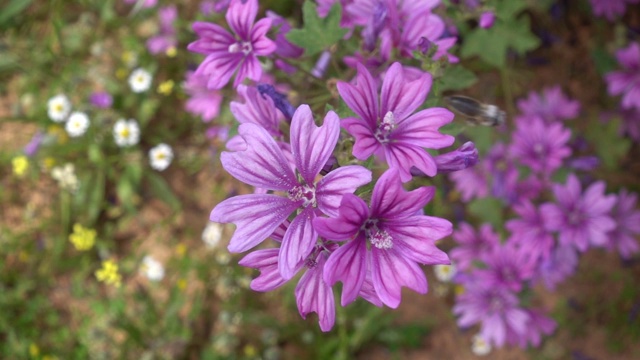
(507, 266)
(101, 99)
(623, 238)
(202, 101)
(264, 165)
(610, 9)
(556, 268)
(390, 238)
(496, 308)
(388, 128)
(208, 7)
(471, 183)
(225, 52)
(459, 159)
(552, 105)
(486, 19)
(627, 81)
(34, 144)
(529, 231)
(284, 48)
(259, 110)
(539, 324)
(472, 245)
(539, 145)
(580, 219)
(166, 39)
(321, 65)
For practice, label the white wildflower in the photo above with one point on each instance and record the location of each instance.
(445, 273)
(66, 177)
(160, 156)
(58, 108)
(126, 132)
(77, 124)
(140, 80)
(152, 268)
(212, 234)
(480, 346)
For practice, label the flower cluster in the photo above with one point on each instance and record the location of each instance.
(310, 208)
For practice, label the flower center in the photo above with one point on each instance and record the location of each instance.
(58, 107)
(304, 193)
(574, 218)
(385, 128)
(377, 237)
(124, 133)
(244, 46)
(538, 148)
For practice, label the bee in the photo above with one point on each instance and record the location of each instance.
(476, 112)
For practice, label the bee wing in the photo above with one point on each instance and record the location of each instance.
(465, 105)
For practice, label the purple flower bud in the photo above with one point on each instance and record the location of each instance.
(279, 100)
(321, 65)
(371, 32)
(331, 165)
(486, 19)
(460, 159)
(425, 45)
(101, 99)
(32, 147)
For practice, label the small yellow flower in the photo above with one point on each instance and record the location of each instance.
(459, 290)
(181, 249)
(34, 351)
(181, 284)
(166, 87)
(82, 238)
(20, 165)
(108, 274)
(59, 132)
(172, 52)
(121, 73)
(250, 351)
(48, 163)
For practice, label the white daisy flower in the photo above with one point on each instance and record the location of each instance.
(212, 234)
(160, 156)
(126, 132)
(77, 124)
(480, 347)
(66, 177)
(152, 268)
(140, 80)
(445, 273)
(58, 108)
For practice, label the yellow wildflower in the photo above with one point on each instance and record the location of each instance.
(250, 351)
(181, 249)
(108, 274)
(48, 163)
(34, 351)
(20, 165)
(166, 87)
(82, 238)
(172, 52)
(181, 284)
(459, 290)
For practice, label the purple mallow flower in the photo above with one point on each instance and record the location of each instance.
(551, 105)
(166, 38)
(496, 308)
(561, 264)
(226, 53)
(539, 145)
(624, 238)
(202, 101)
(284, 47)
(258, 109)
(473, 245)
(626, 82)
(388, 128)
(506, 266)
(486, 19)
(580, 219)
(101, 99)
(529, 231)
(462, 158)
(390, 239)
(264, 165)
(34, 144)
(610, 9)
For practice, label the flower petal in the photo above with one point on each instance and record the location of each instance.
(421, 129)
(366, 144)
(390, 272)
(362, 97)
(402, 97)
(255, 216)
(314, 295)
(218, 68)
(213, 38)
(261, 44)
(266, 261)
(353, 212)
(415, 237)
(240, 16)
(390, 201)
(298, 242)
(262, 164)
(311, 145)
(343, 180)
(250, 68)
(348, 264)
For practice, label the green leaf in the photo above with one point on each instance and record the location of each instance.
(162, 190)
(603, 60)
(509, 9)
(318, 33)
(457, 78)
(453, 128)
(12, 9)
(610, 147)
(488, 210)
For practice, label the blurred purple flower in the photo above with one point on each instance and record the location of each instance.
(539, 145)
(284, 48)
(556, 268)
(208, 7)
(202, 101)
(166, 39)
(101, 99)
(496, 308)
(486, 19)
(471, 183)
(581, 219)
(551, 105)
(626, 82)
(388, 128)
(34, 144)
(391, 238)
(539, 324)
(321, 65)
(264, 165)
(258, 109)
(218, 132)
(610, 9)
(462, 158)
(507, 266)
(226, 53)
(624, 237)
(529, 231)
(472, 245)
